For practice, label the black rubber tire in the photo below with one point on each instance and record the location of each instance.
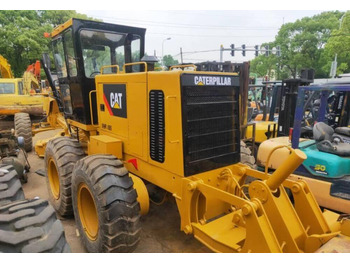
(118, 212)
(10, 185)
(31, 226)
(65, 152)
(247, 157)
(23, 128)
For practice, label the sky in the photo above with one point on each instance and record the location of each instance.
(198, 27)
(203, 30)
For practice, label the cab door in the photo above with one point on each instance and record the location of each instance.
(67, 73)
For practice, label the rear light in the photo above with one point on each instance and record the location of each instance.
(290, 134)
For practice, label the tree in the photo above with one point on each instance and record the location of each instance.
(21, 34)
(302, 43)
(302, 46)
(169, 61)
(339, 44)
(264, 65)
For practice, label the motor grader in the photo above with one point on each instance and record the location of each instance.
(178, 130)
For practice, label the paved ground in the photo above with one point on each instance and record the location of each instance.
(160, 227)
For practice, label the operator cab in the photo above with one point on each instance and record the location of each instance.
(80, 49)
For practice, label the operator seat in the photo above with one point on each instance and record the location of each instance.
(326, 142)
(342, 133)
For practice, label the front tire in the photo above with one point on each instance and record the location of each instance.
(61, 154)
(105, 205)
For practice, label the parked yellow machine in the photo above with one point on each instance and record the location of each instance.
(15, 93)
(19, 98)
(178, 130)
(14, 99)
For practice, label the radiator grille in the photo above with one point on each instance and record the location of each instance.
(210, 126)
(157, 125)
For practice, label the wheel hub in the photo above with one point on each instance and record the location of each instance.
(54, 181)
(87, 211)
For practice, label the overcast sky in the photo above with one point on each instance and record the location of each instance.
(192, 29)
(203, 30)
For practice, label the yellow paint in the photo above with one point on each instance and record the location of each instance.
(222, 212)
(103, 144)
(212, 205)
(142, 194)
(87, 211)
(320, 189)
(54, 181)
(5, 68)
(260, 130)
(59, 29)
(22, 100)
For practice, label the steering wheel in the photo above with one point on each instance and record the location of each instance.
(94, 73)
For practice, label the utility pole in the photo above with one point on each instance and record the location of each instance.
(169, 38)
(221, 53)
(181, 55)
(335, 63)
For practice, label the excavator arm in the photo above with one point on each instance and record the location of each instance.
(5, 68)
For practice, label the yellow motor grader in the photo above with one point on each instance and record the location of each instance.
(178, 130)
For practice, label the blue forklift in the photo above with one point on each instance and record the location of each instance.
(324, 111)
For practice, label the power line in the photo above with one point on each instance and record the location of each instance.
(195, 52)
(178, 25)
(223, 36)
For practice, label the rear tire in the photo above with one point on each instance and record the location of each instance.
(23, 128)
(105, 205)
(31, 226)
(10, 185)
(60, 157)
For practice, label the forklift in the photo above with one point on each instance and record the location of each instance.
(327, 167)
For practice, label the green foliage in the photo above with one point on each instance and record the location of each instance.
(264, 65)
(339, 44)
(22, 34)
(169, 61)
(302, 46)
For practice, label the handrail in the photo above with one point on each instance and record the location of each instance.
(183, 66)
(90, 102)
(135, 63)
(109, 66)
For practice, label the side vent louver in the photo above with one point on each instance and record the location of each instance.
(157, 125)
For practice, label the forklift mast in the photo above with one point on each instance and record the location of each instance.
(288, 101)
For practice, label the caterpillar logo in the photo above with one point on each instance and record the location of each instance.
(212, 80)
(114, 97)
(116, 100)
(209, 80)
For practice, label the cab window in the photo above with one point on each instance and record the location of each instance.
(72, 65)
(59, 58)
(7, 88)
(102, 48)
